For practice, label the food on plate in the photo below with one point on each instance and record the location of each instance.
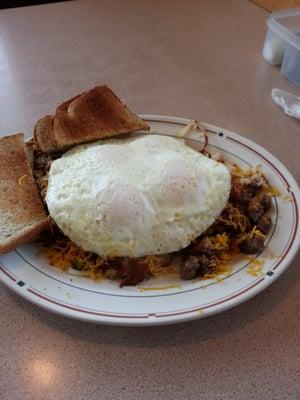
(134, 197)
(241, 227)
(131, 207)
(92, 115)
(22, 212)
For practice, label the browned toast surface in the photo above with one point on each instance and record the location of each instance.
(92, 115)
(22, 214)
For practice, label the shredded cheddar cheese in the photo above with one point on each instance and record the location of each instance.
(255, 232)
(288, 199)
(236, 171)
(220, 242)
(143, 289)
(252, 172)
(255, 267)
(250, 235)
(236, 219)
(272, 190)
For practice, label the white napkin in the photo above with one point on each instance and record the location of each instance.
(287, 101)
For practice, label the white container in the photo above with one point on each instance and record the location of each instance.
(282, 43)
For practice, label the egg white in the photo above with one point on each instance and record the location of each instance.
(132, 197)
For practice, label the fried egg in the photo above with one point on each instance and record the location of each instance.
(138, 196)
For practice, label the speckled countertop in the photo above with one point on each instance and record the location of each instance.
(185, 58)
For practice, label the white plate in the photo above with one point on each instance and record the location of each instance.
(73, 296)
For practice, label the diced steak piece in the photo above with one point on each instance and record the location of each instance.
(205, 246)
(42, 162)
(258, 206)
(131, 272)
(208, 265)
(264, 224)
(255, 211)
(189, 268)
(242, 194)
(163, 260)
(234, 220)
(252, 245)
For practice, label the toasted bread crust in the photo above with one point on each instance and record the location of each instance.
(93, 115)
(22, 213)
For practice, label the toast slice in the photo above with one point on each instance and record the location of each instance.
(22, 213)
(90, 116)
